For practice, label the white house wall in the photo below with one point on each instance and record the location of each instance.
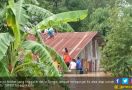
(87, 53)
(97, 54)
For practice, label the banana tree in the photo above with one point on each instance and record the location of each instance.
(38, 13)
(13, 45)
(62, 18)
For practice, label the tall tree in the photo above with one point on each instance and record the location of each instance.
(116, 56)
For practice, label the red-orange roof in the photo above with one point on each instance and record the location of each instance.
(73, 41)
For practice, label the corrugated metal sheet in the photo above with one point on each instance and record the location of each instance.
(74, 41)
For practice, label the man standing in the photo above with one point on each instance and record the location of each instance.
(78, 65)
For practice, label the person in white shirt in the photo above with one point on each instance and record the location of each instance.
(72, 66)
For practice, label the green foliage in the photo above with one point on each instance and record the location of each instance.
(130, 1)
(32, 2)
(38, 11)
(91, 5)
(62, 18)
(14, 18)
(117, 53)
(34, 69)
(38, 14)
(21, 14)
(75, 4)
(3, 70)
(5, 40)
(99, 21)
(68, 5)
(57, 57)
(44, 56)
(13, 23)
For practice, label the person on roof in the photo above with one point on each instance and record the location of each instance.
(50, 32)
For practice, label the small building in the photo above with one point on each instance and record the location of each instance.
(79, 44)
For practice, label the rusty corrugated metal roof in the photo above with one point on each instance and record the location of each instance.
(73, 41)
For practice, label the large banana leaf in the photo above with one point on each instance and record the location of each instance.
(43, 13)
(33, 69)
(129, 62)
(32, 2)
(19, 10)
(3, 70)
(30, 68)
(38, 11)
(62, 18)
(5, 40)
(57, 57)
(21, 15)
(2, 12)
(44, 56)
(12, 22)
